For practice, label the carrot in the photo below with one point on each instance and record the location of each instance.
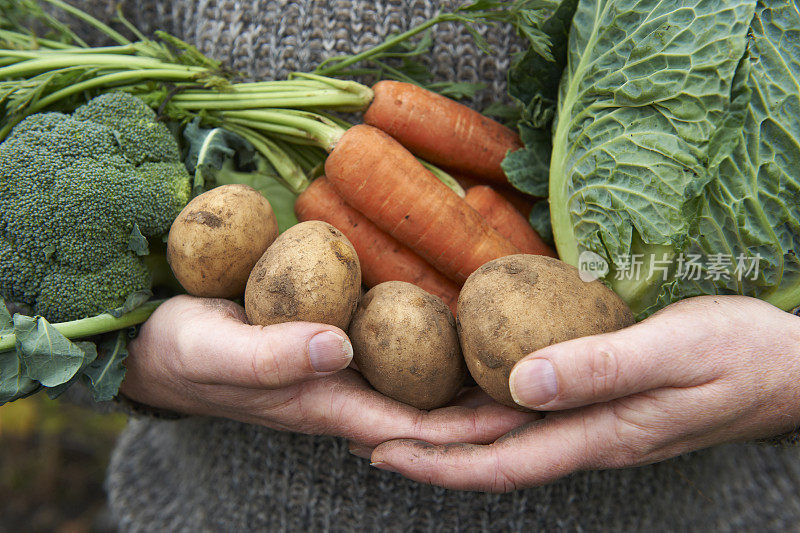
(373, 173)
(509, 222)
(522, 202)
(441, 130)
(382, 257)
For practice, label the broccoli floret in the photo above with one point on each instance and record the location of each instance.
(72, 190)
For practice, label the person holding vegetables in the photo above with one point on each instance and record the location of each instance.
(244, 427)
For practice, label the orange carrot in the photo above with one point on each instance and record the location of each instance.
(373, 173)
(382, 257)
(509, 222)
(522, 202)
(441, 130)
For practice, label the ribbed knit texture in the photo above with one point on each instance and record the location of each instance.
(199, 474)
(215, 475)
(265, 39)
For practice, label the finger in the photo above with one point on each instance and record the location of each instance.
(630, 432)
(345, 405)
(359, 450)
(545, 451)
(536, 454)
(665, 350)
(218, 348)
(473, 397)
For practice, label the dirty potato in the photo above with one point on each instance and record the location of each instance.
(310, 273)
(405, 344)
(218, 237)
(517, 304)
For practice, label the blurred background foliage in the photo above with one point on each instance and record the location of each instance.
(53, 457)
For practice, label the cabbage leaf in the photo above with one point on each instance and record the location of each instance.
(677, 133)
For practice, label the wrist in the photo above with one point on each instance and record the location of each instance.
(134, 408)
(792, 436)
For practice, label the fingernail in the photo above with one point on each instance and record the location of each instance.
(383, 466)
(329, 351)
(365, 452)
(533, 383)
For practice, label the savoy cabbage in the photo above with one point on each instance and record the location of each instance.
(673, 133)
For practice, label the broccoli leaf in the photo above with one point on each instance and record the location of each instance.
(48, 356)
(134, 300)
(280, 197)
(105, 374)
(90, 351)
(138, 242)
(209, 149)
(6, 322)
(13, 382)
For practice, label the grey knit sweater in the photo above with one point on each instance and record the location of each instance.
(199, 474)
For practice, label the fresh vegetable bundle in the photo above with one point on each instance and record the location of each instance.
(661, 142)
(272, 135)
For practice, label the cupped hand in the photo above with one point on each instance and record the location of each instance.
(705, 371)
(199, 356)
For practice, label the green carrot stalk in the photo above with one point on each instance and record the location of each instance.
(92, 21)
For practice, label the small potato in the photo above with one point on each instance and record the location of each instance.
(310, 273)
(405, 344)
(517, 304)
(217, 238)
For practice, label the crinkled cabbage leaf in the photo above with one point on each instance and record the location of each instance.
(677, 137)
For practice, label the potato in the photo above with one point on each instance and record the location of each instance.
(405, 344)
(517, 304)
(310, 273)
(218, 237)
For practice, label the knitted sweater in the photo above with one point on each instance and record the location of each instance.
(200, 474)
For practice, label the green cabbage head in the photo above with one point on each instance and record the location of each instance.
(676, 148)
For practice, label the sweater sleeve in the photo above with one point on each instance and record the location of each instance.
(79, 395)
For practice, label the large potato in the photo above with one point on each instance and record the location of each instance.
(518, 304)
(218, 237)
(310, 273)
(405, 344)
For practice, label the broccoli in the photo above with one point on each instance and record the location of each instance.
(77, 193)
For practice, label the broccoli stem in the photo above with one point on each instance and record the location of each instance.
(87, 327)
(160, 272)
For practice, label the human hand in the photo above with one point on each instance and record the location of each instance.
(199, 356)
(701, 372)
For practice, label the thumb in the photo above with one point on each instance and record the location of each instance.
(217, 347)
(670, 349)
